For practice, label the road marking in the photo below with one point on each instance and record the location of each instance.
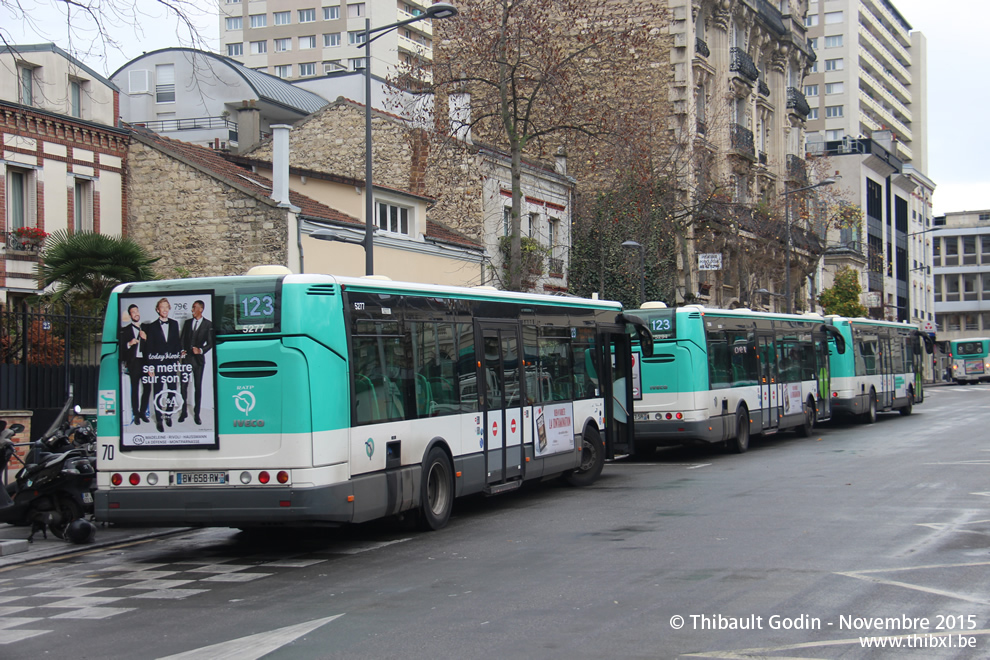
(695, 467)
(747, 654)
(255, 646)
(689, 466)
(870, 576)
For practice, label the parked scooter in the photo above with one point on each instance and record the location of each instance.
(56, 488)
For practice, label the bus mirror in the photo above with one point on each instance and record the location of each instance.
(840, 341)
(643, 333)
(928, 341)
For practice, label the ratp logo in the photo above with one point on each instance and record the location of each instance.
(244, 401)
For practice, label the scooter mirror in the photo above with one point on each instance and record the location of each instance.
(77, 409)
(16, 428)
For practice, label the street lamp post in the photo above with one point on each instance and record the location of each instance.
(788, 303)
(438, 10)
(642, 269)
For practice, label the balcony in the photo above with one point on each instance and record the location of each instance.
(763, 88)
(797, 170)
(741, 140)
(556, 267)
(189, 124)
(702, 127)
(740, 62)
(796, 100)
(701, 48)
(26, 240)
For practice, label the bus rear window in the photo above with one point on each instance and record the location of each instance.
(969, 348)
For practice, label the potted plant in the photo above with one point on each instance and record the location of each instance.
(28, 238)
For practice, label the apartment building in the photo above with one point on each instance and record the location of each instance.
(867, 93)
(299, 39)
(961, 269)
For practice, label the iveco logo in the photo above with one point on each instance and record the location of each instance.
(244, 401)
(249, 422)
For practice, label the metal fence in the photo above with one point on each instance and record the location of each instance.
(43, 352)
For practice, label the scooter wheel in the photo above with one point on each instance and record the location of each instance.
(68, 511)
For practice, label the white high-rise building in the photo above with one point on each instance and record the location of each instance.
(296, 39)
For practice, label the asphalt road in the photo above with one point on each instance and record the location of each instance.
(796, 549)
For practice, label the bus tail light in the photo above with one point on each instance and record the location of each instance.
(245, 478)
(152, 479)
(117, 479)
(134, 479)
(282, 477)
(669, 416)
(680, 416)
(264, 477)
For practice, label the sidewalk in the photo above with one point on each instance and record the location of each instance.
(14, 548)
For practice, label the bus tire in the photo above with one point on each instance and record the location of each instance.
(740, 443)
(870, 416)
(909, 408)
(436, 498)
(592, 459)
(809, 419)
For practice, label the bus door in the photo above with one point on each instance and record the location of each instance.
(824, 377)
(885, 398)
(769, 385)
(501, 395)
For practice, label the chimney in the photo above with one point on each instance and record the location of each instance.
(248, 126)
(460, 115)
(560, 161)
(280, 163)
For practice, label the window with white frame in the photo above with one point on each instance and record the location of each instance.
(355, 37)
(833, 111)
(235, 22)
(259, 47)
(306, 43)
(235, 50)
(813, 43)
(814, 67)
(834, 88)
(165, 83)
(811, 20)
(331, 40)
(811, 90)
(283, 71)
(813, 114)
(393, 219)
(834, 41)
(282, 17)
(307, 15)
(332, 66)
(356, 63)
(283, 45)
(356, 10)
(834, 65)
(259, 20)
(834, 134)
(307, 69)
(833, 17)
(331, 13)
(76, 88)
(82, 204)
(21, 198)
(25, 85)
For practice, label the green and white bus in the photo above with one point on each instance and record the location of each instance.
(322, 400)
(718, 376)
(882, 367)
(970, 359)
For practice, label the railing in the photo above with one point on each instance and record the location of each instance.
(742, 63)
(702, 127)
(763, 88)
(763, 158)
(555, 266)
(796, 100)
(741, 139)
(188, 124)
(771, 16)
(18, 243)
(701, 48)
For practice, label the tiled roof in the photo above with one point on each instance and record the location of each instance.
(443, 234)
(214, 164)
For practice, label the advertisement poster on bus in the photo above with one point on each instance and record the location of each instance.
(554, 428)
(167, 371)
(793, 399)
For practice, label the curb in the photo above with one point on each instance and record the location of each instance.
(15, 552)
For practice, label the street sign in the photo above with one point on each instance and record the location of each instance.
(710, 261)
(872, 298)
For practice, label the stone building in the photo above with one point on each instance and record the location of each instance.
(961, 271)
(63, 159)
(464, 183)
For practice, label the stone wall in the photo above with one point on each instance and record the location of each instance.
(197, 224)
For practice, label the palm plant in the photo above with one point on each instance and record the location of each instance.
(85, 266)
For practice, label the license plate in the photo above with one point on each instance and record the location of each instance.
(87, 498)
(200, 478)
(641, 417)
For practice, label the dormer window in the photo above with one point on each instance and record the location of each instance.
(25, 79)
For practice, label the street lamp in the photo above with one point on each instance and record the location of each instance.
(438, 10)
(642, 269)
(787, 227)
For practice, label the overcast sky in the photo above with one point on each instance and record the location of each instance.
(958, 62)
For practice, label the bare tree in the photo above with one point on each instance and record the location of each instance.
(528, 76)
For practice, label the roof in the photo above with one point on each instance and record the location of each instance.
(16, 49)
(213, 163)
(268, 87)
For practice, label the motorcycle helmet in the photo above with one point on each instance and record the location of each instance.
(80, 531)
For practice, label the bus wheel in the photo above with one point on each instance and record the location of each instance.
(809, 420)
(437, 491)
(592, 459)
(870, 416)
(909, 408)
(740, 443)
